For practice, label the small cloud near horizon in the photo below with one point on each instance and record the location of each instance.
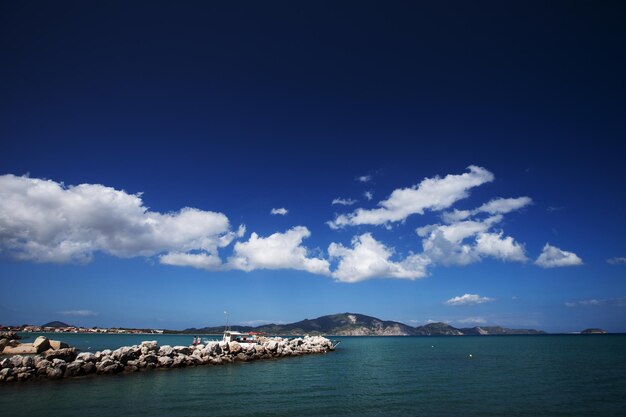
(79, 313)
(619, 301)
(468, 299)
(618, 260)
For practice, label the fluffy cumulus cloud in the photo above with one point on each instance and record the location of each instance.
(277, 251)
(468, 241)
(279, 211)
(552, 257)
(45, 221)
(430, 194)
(367, 258)
(468, 299)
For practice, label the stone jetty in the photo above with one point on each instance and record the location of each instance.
(68, 362)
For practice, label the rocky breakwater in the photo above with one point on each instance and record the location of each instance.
(67, 362)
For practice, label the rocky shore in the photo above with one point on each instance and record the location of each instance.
(67, 362)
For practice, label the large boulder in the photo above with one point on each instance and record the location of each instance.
(165, 361)
(74, 369)
(166, 350)
(184, 350)
(67, 354)
(234, 347)
(20, 349)
(86, 357)
(41, 344)
(3, 344)
(28, 362)
(56, 344)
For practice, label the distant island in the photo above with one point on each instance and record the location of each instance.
(352, 324)
(594, 331)
(344, 324)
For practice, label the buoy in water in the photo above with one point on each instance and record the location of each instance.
(470, 355)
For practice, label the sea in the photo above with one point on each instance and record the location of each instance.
(544, 375)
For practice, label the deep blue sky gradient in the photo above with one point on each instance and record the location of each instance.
(239, 108)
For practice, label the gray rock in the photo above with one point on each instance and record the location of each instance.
(28, 362)
(165, 361)
(185, 350)
(67, 354)
(54, 373)
(234, 347)
(89, 368)
(166, 350)
(74, 369)
(86, 356)
(16, 361)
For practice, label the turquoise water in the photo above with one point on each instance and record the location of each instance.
(367, 376)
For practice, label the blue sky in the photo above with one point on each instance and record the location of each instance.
(474, 156)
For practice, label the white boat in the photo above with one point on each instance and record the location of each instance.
(244, 339)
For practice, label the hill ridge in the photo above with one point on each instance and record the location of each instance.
(356, 324)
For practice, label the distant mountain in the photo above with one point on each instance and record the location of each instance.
(56, 324)
(496, 330)
(347, 324)
(437, 329)
(352, 324)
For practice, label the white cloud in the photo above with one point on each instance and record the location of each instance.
(468, 241)
(368, 258)
(277, 251)
(45, 221)
(431, 194)
(468, 299)
(493, 207)
(590, 302)
(343, 201)
(472, 320)
(552, 257)
(619, 302)
(504, 205)
(496, 246)
(364, 178)
(280, 211)
(259, 322)
(79, 313)
(206, 261)
(369, 195)
(617, 260)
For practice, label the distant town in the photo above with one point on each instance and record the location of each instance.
(60, 327)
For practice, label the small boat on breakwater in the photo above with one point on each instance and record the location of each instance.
(67, 362)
